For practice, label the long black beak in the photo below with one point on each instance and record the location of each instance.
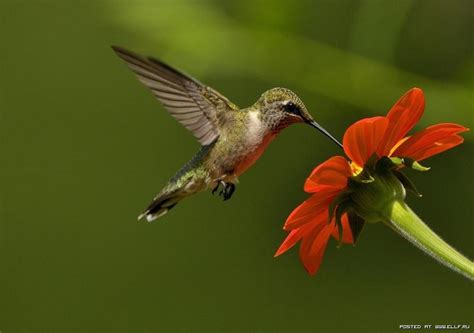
(322, 130)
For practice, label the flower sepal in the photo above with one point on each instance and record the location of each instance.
(407, 183)
(406, 162)
(341, 205)
(415, 165)
(356, 224)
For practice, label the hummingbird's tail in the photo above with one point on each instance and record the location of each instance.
(186, 182)
(161, 204)
(190, 179)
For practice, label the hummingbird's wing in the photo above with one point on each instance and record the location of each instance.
(199, 108)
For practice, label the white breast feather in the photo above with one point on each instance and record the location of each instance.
(255, 128)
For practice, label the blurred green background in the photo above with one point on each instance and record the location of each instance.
(85, 147)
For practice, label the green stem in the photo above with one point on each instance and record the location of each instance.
(406, 223)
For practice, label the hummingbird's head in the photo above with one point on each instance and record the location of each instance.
(287, 108)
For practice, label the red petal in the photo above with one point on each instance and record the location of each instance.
(406, 112)
(431, 141)
(293, 237)
(362, 138)
(331, 173)
(314, 208)
(312, 253)
(346, 231)
(308, 240)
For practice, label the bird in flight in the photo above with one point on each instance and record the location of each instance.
(232, 139)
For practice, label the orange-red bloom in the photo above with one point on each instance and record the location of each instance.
(386, 136)
(308, 222)
(314, 221)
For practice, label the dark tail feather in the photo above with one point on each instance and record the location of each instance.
(160, 206)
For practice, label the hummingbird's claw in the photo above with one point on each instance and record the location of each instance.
(214, 190)
(227, 190)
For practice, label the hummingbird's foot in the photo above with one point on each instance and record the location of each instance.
(219, 183)
(227, 191)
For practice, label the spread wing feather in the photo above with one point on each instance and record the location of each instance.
(199, 108)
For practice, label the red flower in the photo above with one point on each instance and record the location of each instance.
(377, 136)
(385, 136)
(308, 222)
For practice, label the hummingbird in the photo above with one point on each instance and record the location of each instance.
(232, 139)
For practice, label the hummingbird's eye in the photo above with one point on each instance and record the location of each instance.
(292, 108)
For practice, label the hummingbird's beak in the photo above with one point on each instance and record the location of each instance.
(322, 130)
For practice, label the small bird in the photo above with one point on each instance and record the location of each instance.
(232, 139)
